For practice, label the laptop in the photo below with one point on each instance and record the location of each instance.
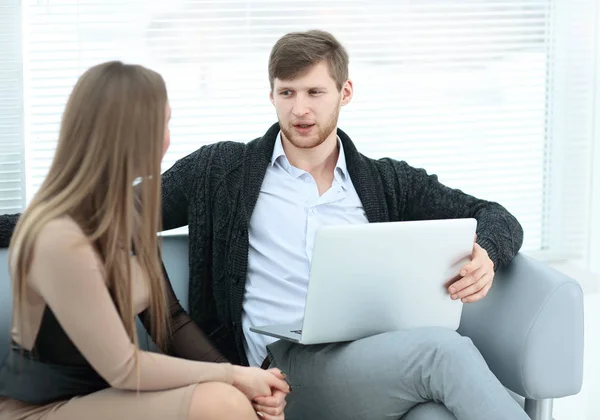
(373, 278)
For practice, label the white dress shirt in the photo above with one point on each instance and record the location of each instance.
(287, 215)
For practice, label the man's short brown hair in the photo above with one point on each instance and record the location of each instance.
(296, 52)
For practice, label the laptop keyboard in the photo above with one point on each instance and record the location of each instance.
(297, 332)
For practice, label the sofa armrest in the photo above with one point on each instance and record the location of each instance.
(529, 330)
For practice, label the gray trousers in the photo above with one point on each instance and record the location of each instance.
(385, 376)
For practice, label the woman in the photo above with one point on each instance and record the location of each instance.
(83, 262)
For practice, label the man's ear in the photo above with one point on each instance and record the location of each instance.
(347, 92)
(271, 97)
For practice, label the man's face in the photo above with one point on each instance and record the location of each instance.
(308, 106)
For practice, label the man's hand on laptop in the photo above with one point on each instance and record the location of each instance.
(475, 279)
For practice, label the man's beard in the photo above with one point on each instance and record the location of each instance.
(322, 133)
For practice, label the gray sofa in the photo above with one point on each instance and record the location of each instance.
(529, 329)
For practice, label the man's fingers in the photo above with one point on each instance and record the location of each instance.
(477, 276)
(479, 295)
(475, 263)
(472, 289)
(461, 284)
(471, 272)
(479, 273)
(477, 258)
(469, 268)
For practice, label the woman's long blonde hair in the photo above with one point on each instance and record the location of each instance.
(112, 133)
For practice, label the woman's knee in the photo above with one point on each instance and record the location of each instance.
(219, 401)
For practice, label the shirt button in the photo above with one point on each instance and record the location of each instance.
(307, 179)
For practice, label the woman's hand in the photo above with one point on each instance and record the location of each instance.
(271, 408)
(255, 382)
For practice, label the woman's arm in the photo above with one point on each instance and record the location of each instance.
(67, 274)
(186, 339)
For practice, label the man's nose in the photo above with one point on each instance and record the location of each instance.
(300, 107)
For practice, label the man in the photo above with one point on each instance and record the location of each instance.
(252, 211)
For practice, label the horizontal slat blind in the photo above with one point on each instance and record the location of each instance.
(463, 88)
(12, 197)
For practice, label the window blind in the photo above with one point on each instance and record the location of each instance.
(12, 197)
(488, 94)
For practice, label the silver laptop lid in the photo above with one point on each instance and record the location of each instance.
(379, 277)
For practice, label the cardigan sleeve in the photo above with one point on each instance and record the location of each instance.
(425, 197)
(8, 222)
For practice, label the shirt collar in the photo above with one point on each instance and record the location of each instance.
(340, 167)
(277, 150)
